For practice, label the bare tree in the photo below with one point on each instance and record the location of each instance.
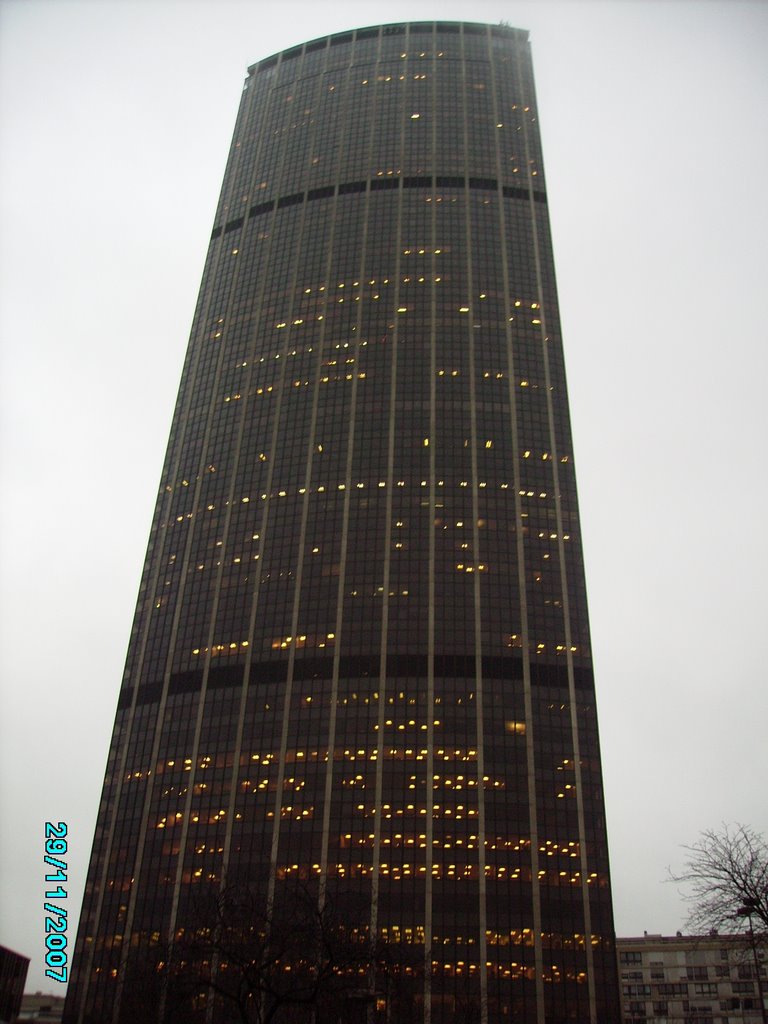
(287, 962)
(726, 876)
(245, 961)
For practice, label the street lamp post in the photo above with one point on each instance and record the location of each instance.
(746, 911)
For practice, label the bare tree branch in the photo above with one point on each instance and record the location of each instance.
(292, 961)
(726, 880)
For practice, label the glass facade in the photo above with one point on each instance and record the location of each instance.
(360, 659)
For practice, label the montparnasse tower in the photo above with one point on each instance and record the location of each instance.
(361, 659)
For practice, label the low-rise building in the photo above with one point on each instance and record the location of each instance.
(692, 979)
(13, 975)
(41, 1008)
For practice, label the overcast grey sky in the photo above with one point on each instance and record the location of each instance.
(115, 121)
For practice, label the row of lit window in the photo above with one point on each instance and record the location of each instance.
(460, 968)
(362, 375)
(347, 839)
(374, 591)
(324, 640)
(321, 448)
(457, 872)
(415, 935)
(373, 282)
(292, 755)
(360, 485)
(360, 782)
(268, 389)
(419, 840)
(515, 641)
(456, 812)
(335, 346)
(299, 321)
(255, 787)
(302, 813)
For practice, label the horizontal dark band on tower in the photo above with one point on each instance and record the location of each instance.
(427, 181)
(361, 666)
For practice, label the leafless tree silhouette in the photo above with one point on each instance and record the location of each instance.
(289, 963)
(726, 880)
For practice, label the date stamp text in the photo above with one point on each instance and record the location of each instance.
(55, 889)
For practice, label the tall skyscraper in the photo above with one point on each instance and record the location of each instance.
(361, 659)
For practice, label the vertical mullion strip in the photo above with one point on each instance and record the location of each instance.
(385, 613)
(564, 589)
(530, 747)
(430, 795)
(390, 482)
(477, 619)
